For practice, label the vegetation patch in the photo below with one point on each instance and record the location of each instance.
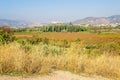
(42, 53)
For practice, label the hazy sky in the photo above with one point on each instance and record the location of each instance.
(57, 10)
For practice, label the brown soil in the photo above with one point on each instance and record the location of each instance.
(57, 75)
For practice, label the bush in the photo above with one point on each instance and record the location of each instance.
(34, 41)
(6, 29)
(90, 46)
(6, 35)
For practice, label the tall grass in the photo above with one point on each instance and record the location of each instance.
(43, 59)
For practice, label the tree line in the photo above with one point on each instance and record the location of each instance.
(53, 28)
(66, 28)
(63, 28)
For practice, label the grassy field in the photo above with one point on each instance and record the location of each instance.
(80, 52)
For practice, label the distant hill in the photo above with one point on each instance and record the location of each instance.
(16, 23)
(13, 23)
(114, 20)
(99, 20)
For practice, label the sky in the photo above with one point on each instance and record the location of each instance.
(57, 10)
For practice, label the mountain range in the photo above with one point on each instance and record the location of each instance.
(115, 19)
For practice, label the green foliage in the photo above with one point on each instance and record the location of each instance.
(21, 41)
(117, 27)
(5, 37)
(90, 46)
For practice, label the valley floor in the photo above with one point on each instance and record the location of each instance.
(57, 75)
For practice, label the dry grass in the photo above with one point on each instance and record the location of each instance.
(13, 59)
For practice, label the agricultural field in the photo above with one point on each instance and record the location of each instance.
(113, 36)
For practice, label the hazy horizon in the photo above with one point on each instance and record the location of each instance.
(57, 10)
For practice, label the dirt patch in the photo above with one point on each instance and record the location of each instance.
(57, 75)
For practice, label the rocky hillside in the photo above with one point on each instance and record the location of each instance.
(99, 20)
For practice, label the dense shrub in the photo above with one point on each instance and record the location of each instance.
(6, 35)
